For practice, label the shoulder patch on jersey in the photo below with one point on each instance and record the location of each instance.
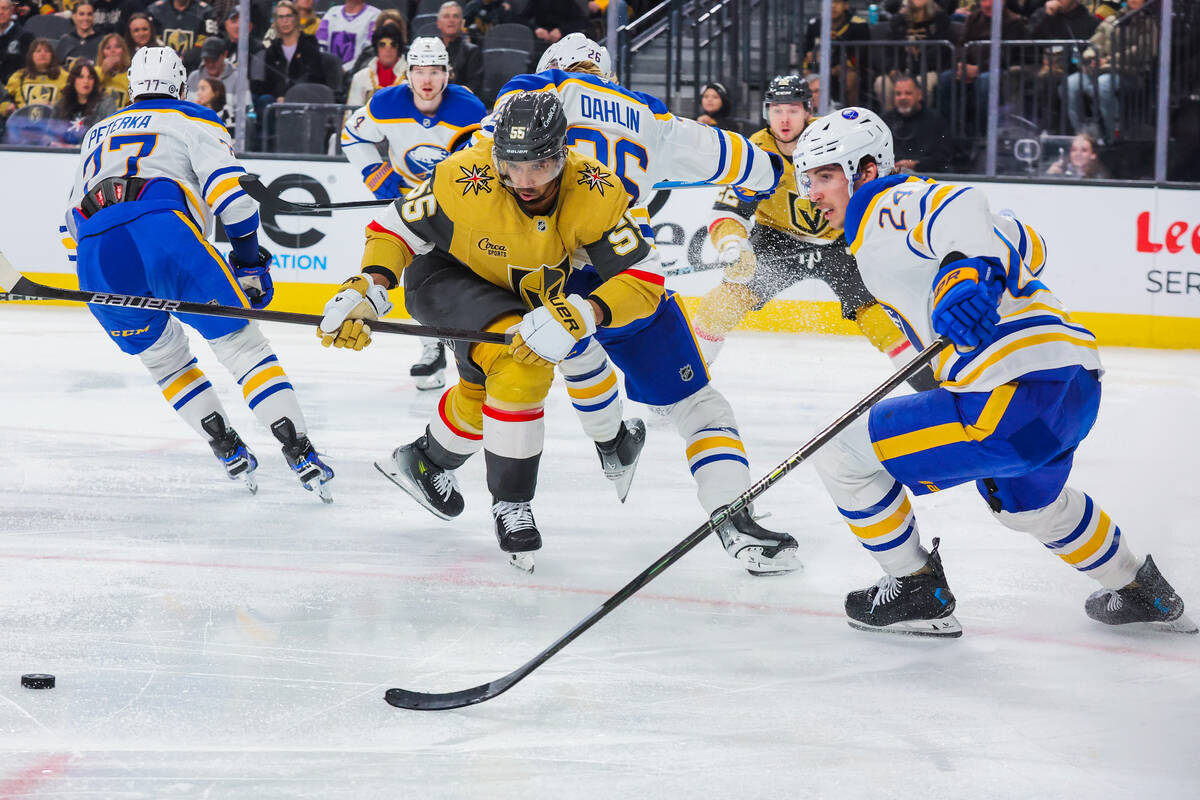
(594, 178)
(475, 179)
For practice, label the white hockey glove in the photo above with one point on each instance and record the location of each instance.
(739, 260)
(548, 333)
(359, 301)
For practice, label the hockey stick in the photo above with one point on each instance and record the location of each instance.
(439, 701)
(690, 268)
(13, 282)
(262, 195)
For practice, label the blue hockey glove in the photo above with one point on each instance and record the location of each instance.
(255, 277)
(383, 181)
(965, 293)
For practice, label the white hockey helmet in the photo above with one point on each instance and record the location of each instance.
(573, 49)
(427, 51)
(844, 138)
(156, 70)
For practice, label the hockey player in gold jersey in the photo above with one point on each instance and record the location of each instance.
(768, 245)
(486, 243)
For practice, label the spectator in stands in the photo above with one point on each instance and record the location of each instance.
(971, 70)
(916, 21)
(233, 31)
(466, 59)
(24, 9)
(388, 18)
(482, 15)
(80, 105)
(1097, 74)
(345, 30)
(214, 64)
(293, 57)
(210, 93)
(308, 17)
(553, 19)
(110, 14)
(920, 134)
(598, 17)
(844, 72)
(40, 81)
(13, 41)
(1083, 161)
(183, 24)
(112, 64)
(139, 32)
(82, 40)
(814, 85)
(715, 105)
(1062, 19)
(386, 69)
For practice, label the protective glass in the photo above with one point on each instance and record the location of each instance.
(530, 174)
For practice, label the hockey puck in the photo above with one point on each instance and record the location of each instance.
(37, 680)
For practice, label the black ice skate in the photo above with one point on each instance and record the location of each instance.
(1148, 600)
(517, 533)
(763, 552)
(619, 457)
(432, 486)
(314, 474)
(227, 446)
(430, 369)
(919, 604)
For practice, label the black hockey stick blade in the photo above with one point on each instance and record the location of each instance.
(435, 701)
(13, 282)
(262, 195)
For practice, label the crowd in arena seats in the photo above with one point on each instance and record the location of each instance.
(351, 49)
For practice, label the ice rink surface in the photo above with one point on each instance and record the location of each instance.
(211, 644)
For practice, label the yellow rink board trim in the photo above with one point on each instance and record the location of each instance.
(781, 316)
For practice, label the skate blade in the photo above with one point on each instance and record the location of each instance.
(398, 477)
(944, 627)
(325, 493)
(251, 482)
(1181, 624)
(427, 383)
(623, 480)
(760, 566)
(521, 561)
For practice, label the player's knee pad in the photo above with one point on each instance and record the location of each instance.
(715, 454)
(463, 405)
(592, 387)
(242, 350)
(590, 359)
(457, 426)
(723, 308)
(1048, 521)
(170, 354)
(512, 384)
(704, 408)
(850, 469)
(879, 329)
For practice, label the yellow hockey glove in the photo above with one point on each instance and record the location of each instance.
(359, 301)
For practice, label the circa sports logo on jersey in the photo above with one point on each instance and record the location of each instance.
(421, 159)
(594, 178)
(491, 248)
(476, 178)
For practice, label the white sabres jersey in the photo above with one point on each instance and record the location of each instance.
(172, 140)
(416, 142)
(900, 229)
(636, 136)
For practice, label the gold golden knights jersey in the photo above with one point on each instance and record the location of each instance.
(784, 210)
(463, 210)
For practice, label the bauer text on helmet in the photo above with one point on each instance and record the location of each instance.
(156, 71)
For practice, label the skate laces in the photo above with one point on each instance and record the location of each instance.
(445, 483)
(430, 353)
(514, 515)
(1113, 598)
(887, 589)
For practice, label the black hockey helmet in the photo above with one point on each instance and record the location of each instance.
(787, 89)
(531, 127)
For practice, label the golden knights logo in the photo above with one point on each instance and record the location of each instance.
(594, 178)
(534, 285)
(805, 216)
(475, 179)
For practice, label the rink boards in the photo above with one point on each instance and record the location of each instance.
(1125, 260)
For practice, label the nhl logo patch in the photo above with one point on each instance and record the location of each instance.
(686, 373)
(541, 226)
(427, 122)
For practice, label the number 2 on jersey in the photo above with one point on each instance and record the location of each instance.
(617, 157)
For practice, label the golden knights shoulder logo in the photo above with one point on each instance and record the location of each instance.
(475, 179)
(594, 178)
